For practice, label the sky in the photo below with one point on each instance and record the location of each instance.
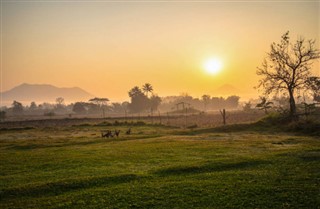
(108, 47)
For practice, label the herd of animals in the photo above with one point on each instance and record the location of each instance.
(116, 133)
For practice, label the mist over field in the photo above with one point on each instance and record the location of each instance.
(159, 104)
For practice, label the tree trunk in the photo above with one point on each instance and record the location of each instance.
(292, 104)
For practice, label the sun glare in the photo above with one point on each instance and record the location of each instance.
(213, 66)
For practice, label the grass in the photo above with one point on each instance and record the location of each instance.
(158, 167)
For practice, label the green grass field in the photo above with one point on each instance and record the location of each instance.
(158, 167)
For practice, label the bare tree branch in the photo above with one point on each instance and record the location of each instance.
(287, 67)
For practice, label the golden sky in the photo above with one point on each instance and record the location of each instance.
(107, 47)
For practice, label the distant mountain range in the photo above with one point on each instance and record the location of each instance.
(227, 89)
(39, 93)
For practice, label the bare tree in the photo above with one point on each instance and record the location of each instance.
(287, 68)
(59, 101)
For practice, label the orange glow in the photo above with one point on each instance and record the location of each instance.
(107, 48)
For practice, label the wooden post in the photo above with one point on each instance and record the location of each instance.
(223, 114)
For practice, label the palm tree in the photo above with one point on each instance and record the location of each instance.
(134, 92)
(147, 88)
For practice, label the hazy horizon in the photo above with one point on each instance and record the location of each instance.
(107, 47)
(225, 90)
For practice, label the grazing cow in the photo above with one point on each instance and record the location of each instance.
(116, 133)
(110, 134)
(103, 134)
(107, 134)
(128, 132)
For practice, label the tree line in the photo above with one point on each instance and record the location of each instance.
(284, 73)
(142, 100)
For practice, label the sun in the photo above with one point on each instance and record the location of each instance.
(213, 66)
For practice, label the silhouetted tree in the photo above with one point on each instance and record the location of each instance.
(125, 105)
(2, 115)
(117, 107)
(287, 68)
(79, 108)
(139, 101)
(217, 102)
(247, 107)
(59, 101)
(186, 97)
(206, 100)
(33, 107)
(281, 104)
(314, 84)
(17, 108)
(46, 106)
(264, 105)
(135, 91)
(232, 101)
(49, 113)
(60, 107)
(155, 101)
(147, 87)
(101, 102)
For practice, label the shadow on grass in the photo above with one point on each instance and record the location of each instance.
(310, 156)
(208, 168)
(304, 155)
(15, 129)
(266, 125)
(52, 145)
(26, 147)
(57, 188)
(229, 128)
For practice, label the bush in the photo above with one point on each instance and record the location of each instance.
(273, 118)
(285, 123)
(309, 126)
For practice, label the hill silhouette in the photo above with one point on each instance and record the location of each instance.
(227, 89)
(26, 93)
